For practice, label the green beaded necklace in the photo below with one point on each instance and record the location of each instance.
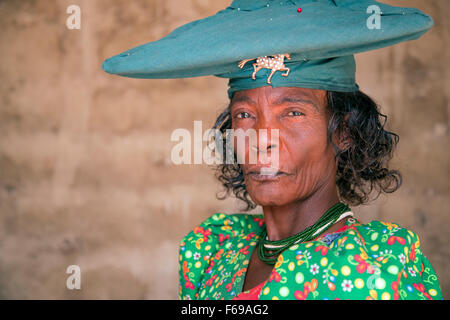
(269, 250)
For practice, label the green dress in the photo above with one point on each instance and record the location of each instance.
(377, 260)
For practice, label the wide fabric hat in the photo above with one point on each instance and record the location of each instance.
(314, 39)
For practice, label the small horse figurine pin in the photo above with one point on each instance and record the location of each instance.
(275, 63)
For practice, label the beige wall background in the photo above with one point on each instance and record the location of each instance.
(85, 170)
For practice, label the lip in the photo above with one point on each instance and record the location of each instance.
(267, 169)
(266, 177)
(265, 173)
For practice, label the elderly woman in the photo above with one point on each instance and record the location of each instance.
(332, 148)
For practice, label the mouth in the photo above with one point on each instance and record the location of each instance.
(266, 174)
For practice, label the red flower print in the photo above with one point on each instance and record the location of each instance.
(210, 281)
(244, 250)
(422, 270)
(198, 230)
(412, 253)
(312, 286)
(363, 265)
(323, 250)
(203, 232)
(250, 236)
(218, 254)
(259, 220)
(211, 265)
(421, 288)
(239, 273)
(301, 295)
(188, 284)
(206, 234)
(274, 276)
(185, 268)
(394, 286)
(393, 239)
(222, 238)
(307, 288)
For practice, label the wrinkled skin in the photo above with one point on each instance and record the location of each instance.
(298, 198)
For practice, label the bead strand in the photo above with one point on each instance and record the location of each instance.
(268, 251)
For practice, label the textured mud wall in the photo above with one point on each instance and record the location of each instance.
(85, 171)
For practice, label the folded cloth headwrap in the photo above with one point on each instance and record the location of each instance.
(321, 37)
(333, 74)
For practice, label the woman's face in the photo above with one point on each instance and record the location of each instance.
(306, 159)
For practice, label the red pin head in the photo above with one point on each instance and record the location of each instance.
(299, 10)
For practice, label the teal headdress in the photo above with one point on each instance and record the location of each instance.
(320, 37)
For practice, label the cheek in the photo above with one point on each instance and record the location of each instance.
(307, 147)
(312, 157)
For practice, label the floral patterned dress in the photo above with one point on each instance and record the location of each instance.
(377, 260)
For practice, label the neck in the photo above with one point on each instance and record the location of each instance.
(287, 220)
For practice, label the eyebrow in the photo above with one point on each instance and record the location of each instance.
(282, 100)
(295, 100)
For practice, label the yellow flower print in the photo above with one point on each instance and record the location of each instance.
(279, 261)
(363, 254)
(226, 225)
(198, 243)
(389, 225)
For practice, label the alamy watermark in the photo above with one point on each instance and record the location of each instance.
(74, 280)
(215, 152)
(74, 19)
(374, 20)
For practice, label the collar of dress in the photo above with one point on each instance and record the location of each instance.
(231, 266)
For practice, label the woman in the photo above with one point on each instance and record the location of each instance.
(325, 157)
(332, 146)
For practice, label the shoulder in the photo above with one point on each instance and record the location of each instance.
(381, 231)
(220, 227)
(378, 235)
(206, 243)
(376, 260)
(397, 252)
(387, 245)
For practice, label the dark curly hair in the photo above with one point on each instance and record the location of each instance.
(362, 166)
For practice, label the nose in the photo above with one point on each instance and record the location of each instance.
(267, 136)
(264, 141)
(261, 144)
(266, 149)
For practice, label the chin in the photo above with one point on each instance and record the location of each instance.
(268, 196)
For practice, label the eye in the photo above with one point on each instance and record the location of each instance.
(295, 113)
(243, 115)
